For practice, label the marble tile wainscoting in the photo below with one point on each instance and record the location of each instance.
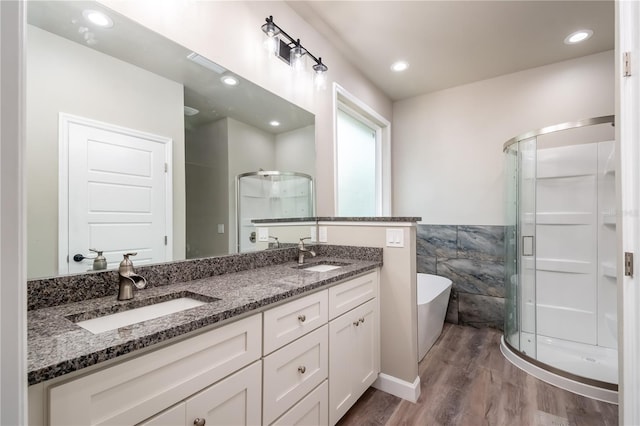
(472, 256)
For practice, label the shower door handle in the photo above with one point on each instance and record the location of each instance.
(527, 245)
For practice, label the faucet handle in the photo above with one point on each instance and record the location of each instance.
(301, 243)
(130, 254)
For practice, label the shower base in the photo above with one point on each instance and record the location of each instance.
(553, 375)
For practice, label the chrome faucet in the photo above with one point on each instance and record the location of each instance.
(129, 279)
(302, 250)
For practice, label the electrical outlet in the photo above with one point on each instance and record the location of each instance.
(263, 235)
(322, 234)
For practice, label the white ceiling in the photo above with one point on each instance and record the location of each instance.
(450, 43)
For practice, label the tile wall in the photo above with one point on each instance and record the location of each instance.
(473, 258)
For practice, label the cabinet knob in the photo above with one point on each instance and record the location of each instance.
(199, 422)
(302, 369)
(302, 318)
(356, 323)
(361, 319)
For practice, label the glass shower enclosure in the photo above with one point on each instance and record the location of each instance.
(560, 241)
(270, 195)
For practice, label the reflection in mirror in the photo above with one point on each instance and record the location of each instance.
(134, 143)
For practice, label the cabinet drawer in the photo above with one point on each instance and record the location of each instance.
(134, 390)
(286, 323)
(312, 410)
(232, 401)
(344, 297)
(293, 371)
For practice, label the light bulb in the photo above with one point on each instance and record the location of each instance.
(271, 45)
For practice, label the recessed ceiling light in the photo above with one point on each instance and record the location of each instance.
(274, 123)
(97, 18)
(399, 66)
(229, 80)
(578, 36)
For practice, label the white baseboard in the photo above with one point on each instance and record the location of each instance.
(397, 387)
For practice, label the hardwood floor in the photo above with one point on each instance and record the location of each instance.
(466, 381)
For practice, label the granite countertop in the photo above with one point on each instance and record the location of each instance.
(341, 219)
(57, 346)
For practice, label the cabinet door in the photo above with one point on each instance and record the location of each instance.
(134, 390)
(230, 402)
(353, 357)
(367, 351)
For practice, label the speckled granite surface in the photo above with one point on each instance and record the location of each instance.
(42, 293)
(341, 219)
(56, 345)
(369, 219)
(285, 220)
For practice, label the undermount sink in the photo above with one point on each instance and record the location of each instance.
(324, 266)
(99, 321)
(321, 268)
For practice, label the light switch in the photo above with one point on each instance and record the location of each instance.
(221, 228)
(322, 234)
(263, 235)
(395, 238)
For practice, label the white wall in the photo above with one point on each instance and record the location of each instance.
(61, 77)
(229, 33)
(250, 149)
(447, 145)
(207, 201)
(292, 151)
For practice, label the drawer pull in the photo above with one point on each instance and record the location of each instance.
(356, 323)
(361, 319)
(302, 318)
(199, 422)
(302, 369)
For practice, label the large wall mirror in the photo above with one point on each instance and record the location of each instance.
(134, 144)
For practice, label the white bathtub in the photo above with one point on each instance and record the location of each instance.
(433, 298)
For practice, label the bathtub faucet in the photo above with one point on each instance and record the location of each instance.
(302, 250)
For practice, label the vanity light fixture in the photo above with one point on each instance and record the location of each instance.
(578, 36)
(290, 49)
(98, 18)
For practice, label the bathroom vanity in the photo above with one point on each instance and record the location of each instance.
(270, 345)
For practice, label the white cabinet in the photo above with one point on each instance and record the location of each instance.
(287, 322)
(311, 410)
(354, 356)
(232, 401)
(320, 353)
(135, 390)
(293, 371)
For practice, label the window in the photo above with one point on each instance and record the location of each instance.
(362, 178)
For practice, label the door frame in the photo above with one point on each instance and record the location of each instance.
(628, 188)
(64, 121)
